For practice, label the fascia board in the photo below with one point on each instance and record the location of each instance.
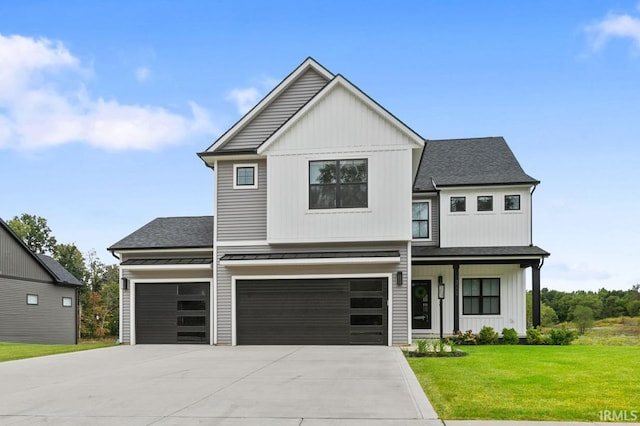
(342, 82)
(266, 101)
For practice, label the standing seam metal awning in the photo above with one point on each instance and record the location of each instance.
(302, 258)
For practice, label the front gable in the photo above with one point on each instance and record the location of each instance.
(340, 116)
(274, 109)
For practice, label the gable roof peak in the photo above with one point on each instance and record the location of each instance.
(263, 104)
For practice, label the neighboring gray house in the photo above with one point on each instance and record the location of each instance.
(333, 223)
(38, 297)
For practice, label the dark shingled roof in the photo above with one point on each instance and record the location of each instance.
(417, 251)
(311, 255)
(58, 271)
(463, 162)
(170, 232)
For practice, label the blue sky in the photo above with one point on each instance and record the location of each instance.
(103, 105)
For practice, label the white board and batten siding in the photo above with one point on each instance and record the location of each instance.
(340, 126)
(485, 229)
(512, 297)
(399, 293)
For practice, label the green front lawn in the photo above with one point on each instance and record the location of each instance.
(572, 383)
(11, 351)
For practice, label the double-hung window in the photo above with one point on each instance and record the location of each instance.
(420, 219)
(481, 296)
(338, 184)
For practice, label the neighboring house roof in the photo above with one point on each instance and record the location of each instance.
(170, 232)
(471, 252)
(464, 162)
(57, 272)
(63, 276)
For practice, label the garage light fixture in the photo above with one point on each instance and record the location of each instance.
(125, 283)
(399, 278)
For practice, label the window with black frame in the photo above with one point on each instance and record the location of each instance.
(338, 184)
(481, 296)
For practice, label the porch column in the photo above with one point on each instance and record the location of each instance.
(535, 293)
(456, 297)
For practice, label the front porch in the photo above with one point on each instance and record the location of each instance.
(483, 286)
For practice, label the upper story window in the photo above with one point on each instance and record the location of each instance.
(32, 299)
(485, 203)
(458, 204)
(481, 296)
(512, 202)
(338, 184)
(420, 219)
(245, 176)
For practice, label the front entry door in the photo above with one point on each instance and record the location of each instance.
(421, 304)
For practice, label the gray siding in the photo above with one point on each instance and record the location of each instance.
(434, 222)
(278, 112)
(399, 293)
(46, 322)
(242, 213)
(126, 316)
(15, 261)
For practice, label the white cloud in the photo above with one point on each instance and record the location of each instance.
(142, 74)
(245, 99)
(614, 26)
(40, 106)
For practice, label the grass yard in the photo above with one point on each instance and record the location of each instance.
(501, 382)
(12, 351)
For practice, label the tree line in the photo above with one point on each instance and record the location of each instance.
(583, 307)
(99, 295)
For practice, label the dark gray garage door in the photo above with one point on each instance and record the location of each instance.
(311, 312)
(172, 313)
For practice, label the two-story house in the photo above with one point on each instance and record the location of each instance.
(334, 223)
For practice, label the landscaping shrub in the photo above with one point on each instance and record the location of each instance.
(466, 338)
(560, 336)
(487, 336)
(510, 336)
(534, 336)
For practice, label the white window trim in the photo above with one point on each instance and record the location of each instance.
(255, 176)
(428, 221)
(234, 278)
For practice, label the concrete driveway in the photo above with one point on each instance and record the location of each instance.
(249, 385)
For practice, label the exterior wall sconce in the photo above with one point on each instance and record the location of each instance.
(399, 278)
(125, 283)
(441, 298)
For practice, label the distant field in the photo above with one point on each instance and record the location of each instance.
(562, 383)
(621, 331)
(13, 351)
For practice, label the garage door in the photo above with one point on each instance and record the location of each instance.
(311, 312)
(172, 313)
